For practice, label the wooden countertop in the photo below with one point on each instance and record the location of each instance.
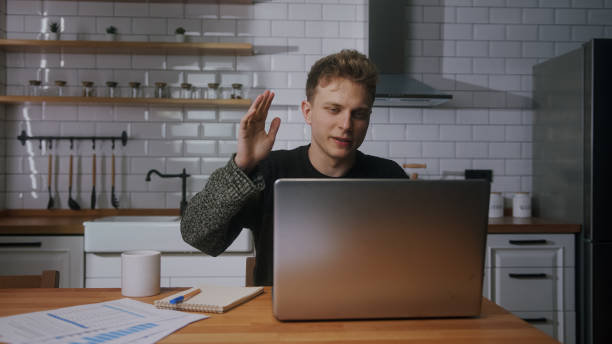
(513, 225)
(70, 222)
(253, 322)
(63, 222)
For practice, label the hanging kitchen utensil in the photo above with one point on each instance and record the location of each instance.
(114, 200)
(71, 202)
(49, 174)
(93, 188)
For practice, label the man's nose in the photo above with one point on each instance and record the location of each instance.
(346, 121)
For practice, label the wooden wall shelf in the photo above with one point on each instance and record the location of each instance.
(245, 2)
(143, 48)
(127, 101)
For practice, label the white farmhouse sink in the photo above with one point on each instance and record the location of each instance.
(162, 233)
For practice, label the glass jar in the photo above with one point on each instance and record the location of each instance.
(88, 89)
(213, 91)
(111, 89)
(134, 89)
(496, 205)
(236, 91)
(160, 90)
(34, 88)
(60, 88)
(186, 91)
(196, 92)
(225, 92)
(521, 205)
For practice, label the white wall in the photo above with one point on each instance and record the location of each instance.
(480, 51)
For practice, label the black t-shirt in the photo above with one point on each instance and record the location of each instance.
(296, 164)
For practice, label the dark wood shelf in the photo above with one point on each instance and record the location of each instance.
(127, 101)
(114, 47)
(244, 2)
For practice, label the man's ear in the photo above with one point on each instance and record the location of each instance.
(306, 111)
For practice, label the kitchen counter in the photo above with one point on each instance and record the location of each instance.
(63, 222)
(70, 222)
(513, 225)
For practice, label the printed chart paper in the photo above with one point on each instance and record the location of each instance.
(117, 321)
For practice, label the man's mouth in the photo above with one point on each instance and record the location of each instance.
(343, 141)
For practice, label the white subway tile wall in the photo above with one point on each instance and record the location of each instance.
(482, 52)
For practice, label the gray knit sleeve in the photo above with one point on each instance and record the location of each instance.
(215, 216)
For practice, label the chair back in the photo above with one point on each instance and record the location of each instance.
(249, 280)
(48, 279)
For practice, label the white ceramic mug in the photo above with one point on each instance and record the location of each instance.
(140, 273)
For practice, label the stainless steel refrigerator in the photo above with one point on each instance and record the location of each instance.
(572, 146)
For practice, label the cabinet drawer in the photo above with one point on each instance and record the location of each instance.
(108, 265)
(529, 250)
(203, 266)
(108, 282)
(559, 325)
(512, 257)
(547, 322)
(191, 281)
(532, 289)
(524, 289)
(168, 282)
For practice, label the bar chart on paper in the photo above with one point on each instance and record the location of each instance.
(117, 321)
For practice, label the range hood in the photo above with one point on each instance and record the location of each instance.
(388, 24)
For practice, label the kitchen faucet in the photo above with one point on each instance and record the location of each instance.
(183, 177)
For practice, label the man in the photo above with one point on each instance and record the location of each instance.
(339, 96)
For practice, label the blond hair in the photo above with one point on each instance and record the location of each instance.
(347, 64)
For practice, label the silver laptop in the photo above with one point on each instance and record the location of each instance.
(378, 248)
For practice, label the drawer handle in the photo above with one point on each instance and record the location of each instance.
(535, 320)
(528, 242)
(526, 276)
(20, 244)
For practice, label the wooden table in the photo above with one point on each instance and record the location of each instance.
(253, 322)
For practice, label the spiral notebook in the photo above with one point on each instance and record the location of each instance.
(211, 299)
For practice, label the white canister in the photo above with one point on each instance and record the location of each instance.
(496, 205)
(140, 273)
(521, 205)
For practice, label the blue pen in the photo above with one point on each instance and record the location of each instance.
(185, 297)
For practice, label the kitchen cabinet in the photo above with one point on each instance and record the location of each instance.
(30, 255)
(181, 264)
(533, 276)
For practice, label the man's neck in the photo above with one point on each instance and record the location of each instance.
(328, 166)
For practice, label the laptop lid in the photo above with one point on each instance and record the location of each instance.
(378, 248)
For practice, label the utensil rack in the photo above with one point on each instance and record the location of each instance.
(23, 137)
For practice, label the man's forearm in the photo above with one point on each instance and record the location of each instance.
(215, 216)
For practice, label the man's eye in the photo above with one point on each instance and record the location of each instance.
(334, 110)
(361, 114)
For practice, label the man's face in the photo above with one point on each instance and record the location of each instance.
(339, 116)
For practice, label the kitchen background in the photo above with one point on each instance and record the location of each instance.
(482, 52)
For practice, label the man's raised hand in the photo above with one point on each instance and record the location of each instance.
(254, 144)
